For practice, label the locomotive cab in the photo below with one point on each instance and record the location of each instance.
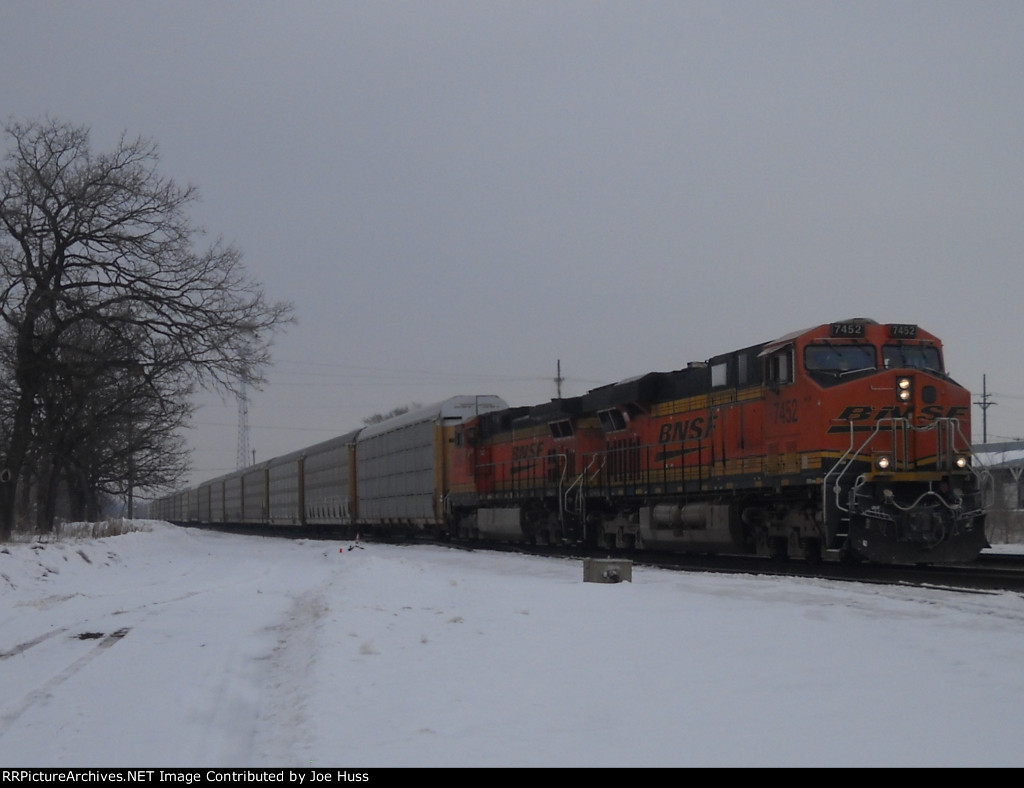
(894, 449)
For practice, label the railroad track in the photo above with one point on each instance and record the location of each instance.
(1003, 573)
(981, 576)
(991, 572)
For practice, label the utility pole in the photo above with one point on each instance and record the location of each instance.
(559, 379)
(984, 404)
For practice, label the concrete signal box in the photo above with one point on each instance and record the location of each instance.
(607, 570)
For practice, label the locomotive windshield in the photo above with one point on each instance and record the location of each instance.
(912, 357)
(839, 359)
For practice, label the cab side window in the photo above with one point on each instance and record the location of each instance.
(780, 367)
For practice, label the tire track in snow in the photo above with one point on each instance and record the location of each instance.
(285, 725)
(9, 717)
(18, 649)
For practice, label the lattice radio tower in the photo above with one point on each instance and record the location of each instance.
(242, 460)
(242, 456)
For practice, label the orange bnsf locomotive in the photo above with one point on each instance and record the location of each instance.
(847, 440)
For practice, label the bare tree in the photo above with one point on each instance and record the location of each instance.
(108, 430)
(104, 289)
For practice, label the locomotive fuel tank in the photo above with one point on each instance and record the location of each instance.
(692, 527)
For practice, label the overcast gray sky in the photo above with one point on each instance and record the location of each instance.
(457, 194)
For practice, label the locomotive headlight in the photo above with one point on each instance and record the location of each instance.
(883, 462)
(961, 462)
(903, 389)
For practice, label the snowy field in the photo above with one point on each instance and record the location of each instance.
(181, 648)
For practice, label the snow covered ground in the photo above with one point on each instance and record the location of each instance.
(181, 648)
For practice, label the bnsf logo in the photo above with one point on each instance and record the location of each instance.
(862, 413)
(529, 452)
(688, 429)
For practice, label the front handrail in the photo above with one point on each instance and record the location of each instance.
(950, 426)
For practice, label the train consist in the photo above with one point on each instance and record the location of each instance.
(845, 441)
